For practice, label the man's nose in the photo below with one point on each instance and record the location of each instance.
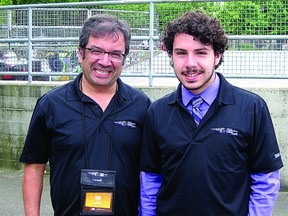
(191, 60)
(105, 60)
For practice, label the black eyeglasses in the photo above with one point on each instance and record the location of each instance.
(97, 53)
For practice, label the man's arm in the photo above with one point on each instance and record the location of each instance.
(150, 183)
(32, 186)
(265, 187)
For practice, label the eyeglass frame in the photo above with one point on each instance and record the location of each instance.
(103, 53)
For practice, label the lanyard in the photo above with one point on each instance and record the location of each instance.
(84, 127)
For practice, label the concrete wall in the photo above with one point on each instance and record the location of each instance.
(17, 101)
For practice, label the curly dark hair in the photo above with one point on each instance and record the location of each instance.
(199, 25)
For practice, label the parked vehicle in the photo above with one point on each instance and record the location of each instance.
(9, 61)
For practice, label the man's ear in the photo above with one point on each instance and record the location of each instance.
(81, 54)
(218, 57)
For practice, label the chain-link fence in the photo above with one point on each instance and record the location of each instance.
(39, 42)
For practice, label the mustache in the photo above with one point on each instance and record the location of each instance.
(193, 70)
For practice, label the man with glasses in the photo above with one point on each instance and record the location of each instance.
(90, 131)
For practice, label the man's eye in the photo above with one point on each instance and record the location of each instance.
(180, 53)
(96, 52)
(115, 55)
(201, 53)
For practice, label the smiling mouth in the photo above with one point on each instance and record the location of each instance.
(101, 72)
(191, 75)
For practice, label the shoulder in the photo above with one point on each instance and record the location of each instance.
(229, 93)
(248, 96)
(132, 93)
(164, 103)
(58, 94)
(55, 92)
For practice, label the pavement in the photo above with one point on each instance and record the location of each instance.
(11, 196)
(11, 203)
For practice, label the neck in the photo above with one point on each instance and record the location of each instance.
(101, 95)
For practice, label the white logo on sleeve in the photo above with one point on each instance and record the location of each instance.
(277, 155)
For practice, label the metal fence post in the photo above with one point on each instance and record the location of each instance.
(30, 44)
(151, 43)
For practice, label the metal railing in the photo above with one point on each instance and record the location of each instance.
(42, 39)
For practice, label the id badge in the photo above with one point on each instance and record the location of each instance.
(97, 192)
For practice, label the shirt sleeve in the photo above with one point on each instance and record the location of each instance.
(265, 187)
(36, 148)
(149, 186)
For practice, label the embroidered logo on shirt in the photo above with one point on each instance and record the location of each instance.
(226, 131)
(126, 123)
(277, 155)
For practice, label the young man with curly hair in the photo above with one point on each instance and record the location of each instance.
(212, 149)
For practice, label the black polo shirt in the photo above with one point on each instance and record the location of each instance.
(56, 134)
(206, 169)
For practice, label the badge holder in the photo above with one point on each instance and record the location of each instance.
(97, 192)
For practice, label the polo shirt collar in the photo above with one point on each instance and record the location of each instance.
(225, 94)
(208, 95)
(73, 92)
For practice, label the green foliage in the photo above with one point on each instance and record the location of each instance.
(137, 16)
(246, 46)
(276, 15)
(254, 18)
(242, 18)
(237, 17)
(20, 2)
(164, 10)
(6, 2)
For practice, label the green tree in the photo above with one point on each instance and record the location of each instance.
(255, 17)
(276, 15)
(242, 18)
(6, 2)
(20, 2)
(3, 13)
